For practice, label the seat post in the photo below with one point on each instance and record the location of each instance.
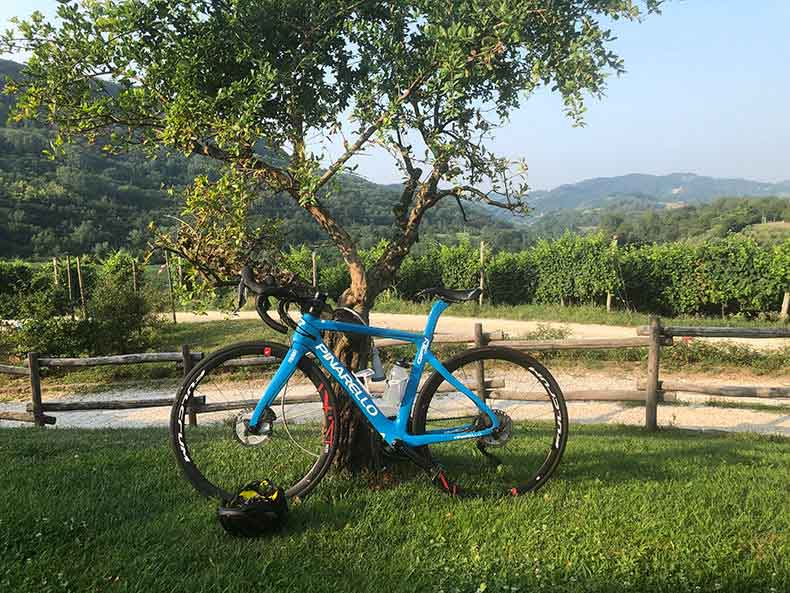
(433, 317)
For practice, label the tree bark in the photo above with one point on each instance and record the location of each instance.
(360, 448)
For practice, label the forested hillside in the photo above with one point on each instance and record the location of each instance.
(89, 201)
(635, 224)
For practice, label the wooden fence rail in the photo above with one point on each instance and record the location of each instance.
(35, 362)
(678, 331)
(651, 390)
(14, 370)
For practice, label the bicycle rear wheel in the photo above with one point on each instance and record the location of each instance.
(297, 443)
(524, 453)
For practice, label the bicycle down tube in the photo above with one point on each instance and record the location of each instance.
(307, 338)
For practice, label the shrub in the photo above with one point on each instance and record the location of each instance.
(119, 319)
(459, 264)
(511, 278)
(417, 273)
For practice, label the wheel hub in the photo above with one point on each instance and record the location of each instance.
(250, 438)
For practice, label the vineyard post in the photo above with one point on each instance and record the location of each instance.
(170, 287)
(68, 281)
(134, 275)
(55, 270)
(82, 289)
(785, 307)
(186, 357)
(482, 271)
(609, 296)
(653, 357)
(315, 269)
(480, 377)
(35, 388)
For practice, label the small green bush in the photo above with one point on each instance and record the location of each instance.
(119, 319)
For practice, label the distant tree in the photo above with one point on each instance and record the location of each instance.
(249, 83)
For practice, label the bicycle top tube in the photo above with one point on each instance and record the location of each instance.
(312, 324)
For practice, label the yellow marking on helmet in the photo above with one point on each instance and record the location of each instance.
(247, 494)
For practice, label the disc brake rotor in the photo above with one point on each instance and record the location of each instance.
(242, 428)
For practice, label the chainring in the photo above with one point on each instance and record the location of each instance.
(501, 434)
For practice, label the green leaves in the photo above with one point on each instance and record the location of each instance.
(257, 84)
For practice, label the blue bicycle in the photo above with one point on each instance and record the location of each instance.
(270, 409)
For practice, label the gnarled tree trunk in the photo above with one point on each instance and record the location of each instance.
(360, 447)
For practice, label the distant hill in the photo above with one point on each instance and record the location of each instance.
(90, 202)
(650, 190)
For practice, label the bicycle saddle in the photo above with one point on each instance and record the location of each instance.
(450, 296)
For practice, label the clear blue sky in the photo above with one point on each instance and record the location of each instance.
(707, 91)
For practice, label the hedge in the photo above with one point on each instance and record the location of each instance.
(734, 275)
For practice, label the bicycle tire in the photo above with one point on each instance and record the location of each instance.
(227, 452)
(437, 407)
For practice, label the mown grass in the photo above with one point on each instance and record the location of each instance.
(106, 510)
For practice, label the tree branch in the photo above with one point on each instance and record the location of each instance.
(371, 129)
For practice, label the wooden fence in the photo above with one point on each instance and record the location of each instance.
(656, 389)
(650, 389)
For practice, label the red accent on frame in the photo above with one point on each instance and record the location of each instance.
(329, 433)
(267, 351)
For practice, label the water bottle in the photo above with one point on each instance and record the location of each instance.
(396, 387)
(378, 369)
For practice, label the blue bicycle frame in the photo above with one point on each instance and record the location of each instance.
(307, 338)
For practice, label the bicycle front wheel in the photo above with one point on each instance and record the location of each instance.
(207, 425)
(524, 452)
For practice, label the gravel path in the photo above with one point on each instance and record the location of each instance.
(513, 328)
(696, 415)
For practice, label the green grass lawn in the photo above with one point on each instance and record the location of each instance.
(676, 511)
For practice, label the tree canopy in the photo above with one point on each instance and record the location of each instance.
(254, 84)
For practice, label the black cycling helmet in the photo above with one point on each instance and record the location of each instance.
(258, 508)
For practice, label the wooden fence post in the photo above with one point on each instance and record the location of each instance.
(653, 358)
(186, 357)
(82, 289)
(315, 269)
(608, 302)
(482, 271)
(480, 372)
(35, 388)
(170, 287)
(785, 307)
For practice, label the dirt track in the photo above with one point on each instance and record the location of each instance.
(512, 328)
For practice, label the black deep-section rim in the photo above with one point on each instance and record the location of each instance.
(540, 372)
(178, 414)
